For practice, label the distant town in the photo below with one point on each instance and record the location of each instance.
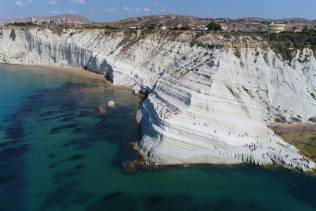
(205, 24)
(174, 22)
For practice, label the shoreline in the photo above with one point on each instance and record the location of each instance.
(72, 71)
(69, 70)
(143, 164)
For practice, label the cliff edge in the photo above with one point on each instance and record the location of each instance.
(210, 97)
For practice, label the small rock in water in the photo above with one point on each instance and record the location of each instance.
(111, 103)
(102, 109)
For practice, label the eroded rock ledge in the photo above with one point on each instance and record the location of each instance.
(210, 98)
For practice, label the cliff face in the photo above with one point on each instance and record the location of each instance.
(210, 98)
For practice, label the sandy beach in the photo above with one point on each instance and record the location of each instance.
(67, 70)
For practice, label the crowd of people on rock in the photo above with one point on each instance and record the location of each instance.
(163, 111)
(304, 159)
(252, 147)
(205, 124)
(243, 135)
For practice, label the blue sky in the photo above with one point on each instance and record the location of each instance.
(119, 9)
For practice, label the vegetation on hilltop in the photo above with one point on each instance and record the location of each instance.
(22, 24)
(59, 28)
(109, 29)
(55, 28)
(285, 42)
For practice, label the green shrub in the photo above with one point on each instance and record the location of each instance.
(237, 52)
(283, 48)
(57, 29)
(212, 26)
(109, 29)
(22, 24)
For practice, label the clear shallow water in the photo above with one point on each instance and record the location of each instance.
(57, 152)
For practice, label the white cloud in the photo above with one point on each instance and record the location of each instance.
(127, 8)
(23, 3)
(19, 3)
(109, 10)
(157, 4)
(137, 9)
(52, 2)
(55, 12)
(78, 1)
(71, 12)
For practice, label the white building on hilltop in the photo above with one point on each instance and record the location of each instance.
(276, 27)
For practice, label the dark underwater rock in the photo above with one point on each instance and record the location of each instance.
(156, 199)
(112, 196)
(13, 152)
(61, 128)
(6, 178)
(14, 131)
(78, 167)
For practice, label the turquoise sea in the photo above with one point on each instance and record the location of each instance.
(58, 152)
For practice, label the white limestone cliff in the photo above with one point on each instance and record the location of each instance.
(210, 100)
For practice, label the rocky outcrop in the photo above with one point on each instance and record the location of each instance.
(210, 98)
